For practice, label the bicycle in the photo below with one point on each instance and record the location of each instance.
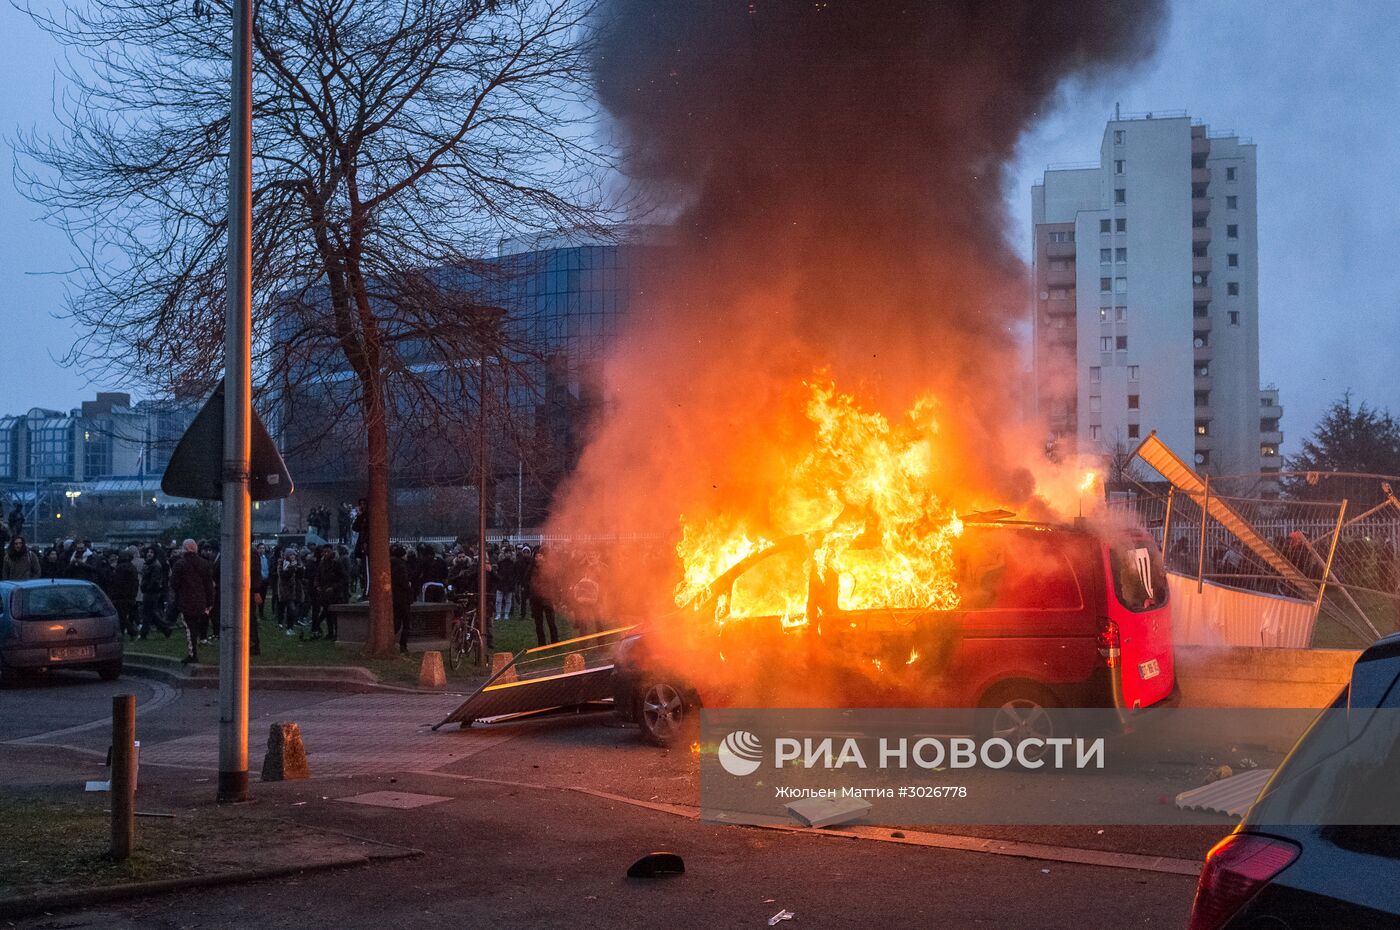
(464, 638)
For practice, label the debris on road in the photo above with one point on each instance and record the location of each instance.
(779, 917)
(657, 865)
(827, 812)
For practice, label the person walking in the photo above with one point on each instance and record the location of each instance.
(332, 587)
(155, 578)
(402, 586)
(257, 588)
(123, 587)
(291, 590)
(192, 595)
(20, 562)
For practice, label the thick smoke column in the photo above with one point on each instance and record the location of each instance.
(835, 172)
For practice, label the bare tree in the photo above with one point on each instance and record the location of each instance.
(395, 142)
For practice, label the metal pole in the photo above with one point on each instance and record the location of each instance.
(236, 534)
(123, 784)
(1201, 556)
(519, 499)
(1331, 553)
(482, 618)
(1167, 524)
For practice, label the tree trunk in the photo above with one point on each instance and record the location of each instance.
(380, 641)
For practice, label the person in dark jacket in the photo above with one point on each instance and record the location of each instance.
(20, 562)
(82, 562)
(16, 521)
(192, 594)
(123, 587)
(402, 586)
(541, 605)
(257, 590)
(155, 578)
(359, 527)
(332, 587)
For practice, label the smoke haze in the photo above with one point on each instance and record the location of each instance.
(835, 174)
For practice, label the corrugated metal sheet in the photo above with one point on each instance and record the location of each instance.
(1222, 616)
(1231, 796)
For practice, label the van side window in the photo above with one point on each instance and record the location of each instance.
(1015, 571)
(773, 587)
(1037, 577)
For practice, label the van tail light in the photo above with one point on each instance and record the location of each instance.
(1110, 643)
(1236, 869)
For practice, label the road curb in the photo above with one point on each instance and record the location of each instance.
(29, 905)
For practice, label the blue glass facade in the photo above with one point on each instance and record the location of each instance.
(565, 305)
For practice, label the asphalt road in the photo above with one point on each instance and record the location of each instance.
(58, 700)
(497, 856)
(525, 848)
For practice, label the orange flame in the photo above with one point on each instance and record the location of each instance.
(863, 495)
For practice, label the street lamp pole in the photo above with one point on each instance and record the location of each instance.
(236, 529)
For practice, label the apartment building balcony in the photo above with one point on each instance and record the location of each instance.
(1272, 436)
(1200, 145)
(1059, 250)
(1203, 443)
(1201, 324)
(1060, 278)
(1200, 205)
(1200, 234)
(1271, 412)
(1203, 413)
(1203, 383)
(1200, 264)
(1200, 175)
(1202, 354)
(1200, 293)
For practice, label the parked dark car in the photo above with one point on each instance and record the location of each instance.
(1049, 617)
(59, 623)
(1344, 870)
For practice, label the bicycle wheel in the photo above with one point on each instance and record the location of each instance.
(473, 642)
(457, 647)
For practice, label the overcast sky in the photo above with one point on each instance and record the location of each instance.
(1314, 85)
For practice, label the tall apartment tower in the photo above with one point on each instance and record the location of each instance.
(1147, 298)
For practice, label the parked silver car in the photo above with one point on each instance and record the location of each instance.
(58, 624)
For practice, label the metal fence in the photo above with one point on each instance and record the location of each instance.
(1342, 556)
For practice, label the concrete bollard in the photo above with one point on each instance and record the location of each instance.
(431, 674)
(500, 660)
(573, 662)
(286, 755)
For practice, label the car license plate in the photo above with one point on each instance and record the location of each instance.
(69, 653)
(1149, 669)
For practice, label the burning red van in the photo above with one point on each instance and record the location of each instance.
(1047, 617)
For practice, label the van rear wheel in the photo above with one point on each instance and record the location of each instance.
(1019, 713)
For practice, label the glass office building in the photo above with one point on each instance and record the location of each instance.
(565, 306)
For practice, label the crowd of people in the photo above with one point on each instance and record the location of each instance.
(164, 589)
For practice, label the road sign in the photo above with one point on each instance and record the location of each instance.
(196, 467)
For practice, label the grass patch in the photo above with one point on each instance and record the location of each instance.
(52, 845)
(280, 649)
(61, 843)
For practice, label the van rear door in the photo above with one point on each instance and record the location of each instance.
(1138, 608)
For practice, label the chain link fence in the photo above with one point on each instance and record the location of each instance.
(1333, 540)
